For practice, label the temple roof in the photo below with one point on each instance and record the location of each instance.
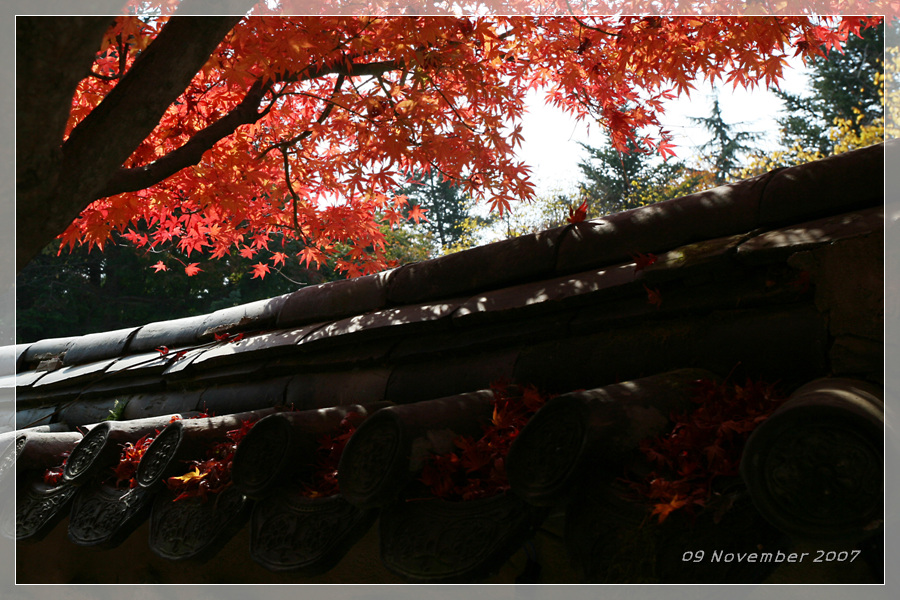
(740, 280)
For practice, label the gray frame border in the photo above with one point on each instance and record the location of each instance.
(9, 591)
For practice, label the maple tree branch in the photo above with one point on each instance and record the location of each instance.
(586, 26)
(344, 70)
(287, 178)
(597, 29)
(99, 144)
(105, 77)
(138, 178)
(52, 56)
(387, 92)
(448, 176)
(123, 54)
(450, 104)
(80, 169)
(329, 106)
(348, 69)
(121, 51)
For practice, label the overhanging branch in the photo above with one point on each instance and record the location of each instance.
(101, 143)
(139, 178)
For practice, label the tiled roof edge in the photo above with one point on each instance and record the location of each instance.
(833, 185)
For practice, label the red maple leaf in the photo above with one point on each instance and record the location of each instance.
(642, 261)
(53, 476)
(260, 270)
(417, 213)
(653, 297)
(244, 193)
(138, 239)
(278, 258)
(473, 456)
(192, 269)
(236, 435)
(477, 468)
(160, 266)
(704, 443)
(310, 254)
(577, 215)
(130, 458)
(212, 475)
(666, 148)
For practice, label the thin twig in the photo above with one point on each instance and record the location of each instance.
(586, 26)
(329, 106)
(290, 187)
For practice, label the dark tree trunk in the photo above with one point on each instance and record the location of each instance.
(55, 181)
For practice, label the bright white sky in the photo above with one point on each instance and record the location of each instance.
(551, 137)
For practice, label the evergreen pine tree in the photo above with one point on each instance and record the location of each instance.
(727, 146)
(447, 207)
(615, 181)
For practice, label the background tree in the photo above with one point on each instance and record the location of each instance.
(67, 293)
(445, 205)
(83, 291)
(219, 133)
(545, 211)
(842, 85)
(616, 180)
(728, 147)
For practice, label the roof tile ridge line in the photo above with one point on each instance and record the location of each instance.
(318, 327)
(106, 373)
(767, 178)
(126, 350)
(19, 361)
(127, 346)
(555, 272)
(567, 228)
(454, 323)
(103, 375)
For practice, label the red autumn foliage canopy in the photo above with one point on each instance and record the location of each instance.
(304, 127)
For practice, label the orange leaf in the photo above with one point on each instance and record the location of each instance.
(278, 258)
(193, 475)
(665, 509)
(310, 254)
(451, 99)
